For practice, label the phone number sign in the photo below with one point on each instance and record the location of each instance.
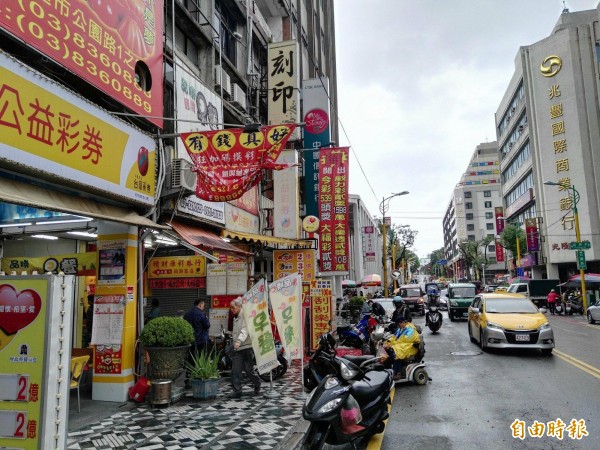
(102, 42)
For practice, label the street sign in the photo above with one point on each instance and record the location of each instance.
(585, 245)
(581, 265)
(442, 262)
(520, 272)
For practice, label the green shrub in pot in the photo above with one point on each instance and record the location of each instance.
(167, 332)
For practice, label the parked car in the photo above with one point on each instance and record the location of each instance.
(413, 297)
(593, 312)
(443, 302)
(387, 304)
(509, 321)
(460, 296)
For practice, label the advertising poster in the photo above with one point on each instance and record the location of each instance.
(237, 278)
(285, 295)
(108, 359)
(230, 162)
(78, 264)
(22, 351)
(333, 210)
(533, 242)
(107, 324)
(256, 313)
(111, 262)
(368, 243)
(102, 47)
(177, 266)
(216, 279)
(287, 262)
(320, 310)
(286, 197)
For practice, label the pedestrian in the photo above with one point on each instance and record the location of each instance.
(242, 358)
(89, 320)
(154, 311)
(200, 323)
(563, 300)
(366, 307)
(552, 298)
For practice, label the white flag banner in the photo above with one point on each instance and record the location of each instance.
(285, 295)
(256, 314)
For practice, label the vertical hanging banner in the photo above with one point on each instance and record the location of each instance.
(499, 251)
(286, 196)
(499, 216)
(315, 105)
(286, 295)
(320, 310)
(283, 81)
(256, 314)
(368, 234)
(531, 230)
(333, 210)
(230, 162)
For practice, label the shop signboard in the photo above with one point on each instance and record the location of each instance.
(178, 283)
(78, 264)
(287, 262)
(320, 310)
(58, 134)
(368, 234)
(286, 197)
(177, 266)
(283, 82)
(192, 205)
(101, 42)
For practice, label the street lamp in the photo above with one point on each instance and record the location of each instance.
(383, 208)
(576, 198)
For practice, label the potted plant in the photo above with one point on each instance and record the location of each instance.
(204, 374)
(355, 306)
(167, 340)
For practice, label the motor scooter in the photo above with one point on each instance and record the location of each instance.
(358, 335)
(416, 370)
(434, 321)
(350, 406)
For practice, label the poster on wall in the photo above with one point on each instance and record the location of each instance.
(320, 310)
(107, 323)
(216, 279)
(287, 262)
(237, 278)
(111, 268)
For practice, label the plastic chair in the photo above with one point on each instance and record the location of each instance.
(77, 365)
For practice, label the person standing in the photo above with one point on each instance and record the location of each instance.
(552, 298)
(200, 323)
(563, 300)
(242, 358)
(154, 311)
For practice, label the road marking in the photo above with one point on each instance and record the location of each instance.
(376, 441)
(594, 371)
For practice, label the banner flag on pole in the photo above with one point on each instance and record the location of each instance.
(286, 295)
(256, 314)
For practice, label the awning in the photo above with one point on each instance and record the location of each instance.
(269, 240)
(206, 239)
(12, 191)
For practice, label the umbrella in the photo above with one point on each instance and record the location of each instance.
(371, 280)
(518, 280)
(588, 277)
(348, 283)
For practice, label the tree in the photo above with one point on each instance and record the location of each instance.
(473, 256)
(508, 239)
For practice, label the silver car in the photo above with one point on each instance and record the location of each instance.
(593, 312)
(387, 304)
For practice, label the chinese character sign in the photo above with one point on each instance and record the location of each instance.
(320, 310)
(285, 295)
(283, 81)
(287, 262)
(499, 216)
(79, 264)
(230, 162)
(177, 266)
(333, 209)
(256, 314)
(102, 42)
(368, 243)
(499, 251)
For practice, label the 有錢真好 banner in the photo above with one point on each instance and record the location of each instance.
(230, 162)
(285, 295)
(256, 313)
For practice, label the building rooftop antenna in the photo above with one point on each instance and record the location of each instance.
(565, 9)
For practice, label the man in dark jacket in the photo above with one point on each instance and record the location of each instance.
(200, 323)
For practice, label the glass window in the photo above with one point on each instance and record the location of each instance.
(487, 193)
(489, 226)
(467, 194)
(488, 204)
(489, 215)
(471, 237)
(469, 205)
(470, 227)
(469, 216)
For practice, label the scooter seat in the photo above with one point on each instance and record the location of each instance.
(371, 386)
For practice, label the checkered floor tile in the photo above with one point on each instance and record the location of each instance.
(252, 422)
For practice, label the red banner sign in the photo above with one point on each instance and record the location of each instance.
(229, 162)
(533, 241)
(178, 283)
(499, 252)
(333, 209)
(499, 216)
(103, 42)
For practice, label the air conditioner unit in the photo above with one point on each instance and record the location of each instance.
(238, 96)
(222, 80)
(182, 175)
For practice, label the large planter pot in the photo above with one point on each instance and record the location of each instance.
(167, 362)
(205, 389)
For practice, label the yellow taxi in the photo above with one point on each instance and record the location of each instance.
(504, 320)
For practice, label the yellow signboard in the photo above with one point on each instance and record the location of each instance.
(79, 264)
(177, 266)
(287, 262)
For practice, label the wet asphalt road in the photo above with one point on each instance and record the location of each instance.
(475, 397)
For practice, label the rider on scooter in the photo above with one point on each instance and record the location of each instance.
(402, 345)
(402, 309)
(433, 297)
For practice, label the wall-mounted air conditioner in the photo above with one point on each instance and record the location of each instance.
(182, 175)
(238, 96)
(222, 80)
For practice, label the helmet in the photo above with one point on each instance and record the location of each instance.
(327, 342)
(397, 300)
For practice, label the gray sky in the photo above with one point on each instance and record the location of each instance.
(419, 82)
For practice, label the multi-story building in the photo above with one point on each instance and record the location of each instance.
(471, 212)
(366, 242)
(547, 129)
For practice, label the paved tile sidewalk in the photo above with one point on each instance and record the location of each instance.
(252, 422)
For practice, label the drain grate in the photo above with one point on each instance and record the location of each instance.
(470, 353)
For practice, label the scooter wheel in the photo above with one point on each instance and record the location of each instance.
(379, 428)
(420, 376)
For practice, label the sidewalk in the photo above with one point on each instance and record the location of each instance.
(252, 422)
